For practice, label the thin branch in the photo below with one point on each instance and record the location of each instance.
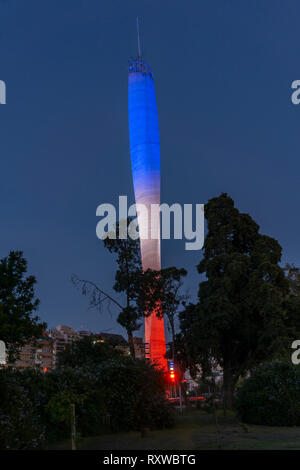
(97, 295)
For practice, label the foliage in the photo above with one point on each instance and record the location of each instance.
(59, 405)
(161, 294)
(127, 281)
(133, 391)
(87, 352)
(135, 395)
(44, 400)
(17, 304)
(240, 319)
(210, 405)
(35, 407)
(271, 395)
(293, 301)
(20, 424)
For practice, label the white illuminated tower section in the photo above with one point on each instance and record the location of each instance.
(145, 162)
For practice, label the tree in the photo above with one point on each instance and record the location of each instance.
(18, 303)
(161, 295)
(127, 280)
(240, 318)
(293, 276)
(146, 293)
(87, 352)
(293, 300)
(271, 395)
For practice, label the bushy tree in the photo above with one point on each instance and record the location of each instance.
(87, 352)
(135, 395)
(240, 318)
(127, 281)
(161, 295)
(293, 301)
(271, 395)
(21, 427)
(35, 407)
(18, 304)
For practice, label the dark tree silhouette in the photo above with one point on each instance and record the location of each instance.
(18, 323)
(240, 318)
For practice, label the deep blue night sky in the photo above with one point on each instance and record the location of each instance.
(223, 72)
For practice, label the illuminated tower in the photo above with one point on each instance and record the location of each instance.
(145, 163)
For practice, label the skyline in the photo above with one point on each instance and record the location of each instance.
(226, 113)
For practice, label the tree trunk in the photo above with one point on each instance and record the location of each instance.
(129, 331)
(228, 386)
(131, 344)
(73, 426)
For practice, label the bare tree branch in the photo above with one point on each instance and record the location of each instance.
(96, 294)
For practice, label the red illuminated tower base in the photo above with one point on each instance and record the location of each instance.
(155, 334)
(157, 343)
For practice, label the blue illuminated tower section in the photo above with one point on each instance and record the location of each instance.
(145, 163)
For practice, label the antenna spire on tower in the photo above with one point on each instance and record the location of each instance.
(138, 37)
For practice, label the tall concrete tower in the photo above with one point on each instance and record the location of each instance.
(145, 163)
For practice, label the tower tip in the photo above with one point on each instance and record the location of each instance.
(138, 37)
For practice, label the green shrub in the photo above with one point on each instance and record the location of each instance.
(122, 393)
(135, 395)
(130, 391)
(21, 427)
(271, 395)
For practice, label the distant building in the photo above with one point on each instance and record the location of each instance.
(62, 335)
(114, 340)
(42, 354)
(139, 347)
(84, 333)
(68, 332)
(193, 384)
(44, 357)
(37, 354)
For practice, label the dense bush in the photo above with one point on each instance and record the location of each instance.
(34, 407)
(135, 395)
(20, 424)
(130, 391)
(271, 395)
(88, 352)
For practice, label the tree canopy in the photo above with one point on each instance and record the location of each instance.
(240, 317)
(18, 304)
(128, 280)
(88, 352)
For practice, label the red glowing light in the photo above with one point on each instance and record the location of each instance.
(172, 377)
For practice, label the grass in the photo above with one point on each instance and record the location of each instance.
(194, 430)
